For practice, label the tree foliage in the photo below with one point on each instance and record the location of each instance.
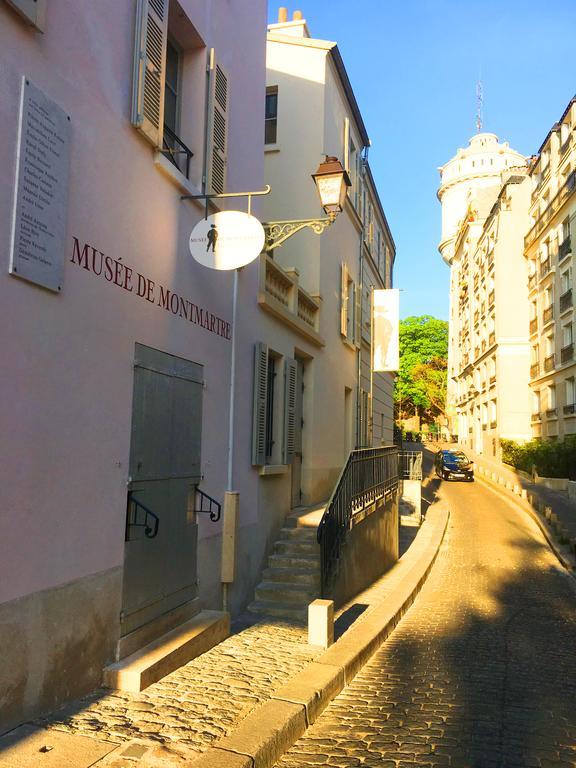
(421, 385)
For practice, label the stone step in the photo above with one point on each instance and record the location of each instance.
(284, 592)
(293, 575)
(167, 653)
(301, 534)
(279, 610)
(310, 563)
(296, 547)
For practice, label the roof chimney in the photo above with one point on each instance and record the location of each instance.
(297, 16)
(282, 15)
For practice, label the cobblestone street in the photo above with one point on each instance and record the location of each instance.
(202, 700)
(480, 672)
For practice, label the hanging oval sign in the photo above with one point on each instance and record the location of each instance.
(227, 240)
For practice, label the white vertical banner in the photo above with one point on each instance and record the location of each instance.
(385, 321)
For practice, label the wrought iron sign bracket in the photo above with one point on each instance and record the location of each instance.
(277, 232)
(266, 191)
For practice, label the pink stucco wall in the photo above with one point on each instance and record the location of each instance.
(66, 363)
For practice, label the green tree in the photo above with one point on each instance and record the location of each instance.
(421, 384)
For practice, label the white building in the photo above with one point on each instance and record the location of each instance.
(470, 181)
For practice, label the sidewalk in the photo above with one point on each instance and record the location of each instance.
(248, 688)
(555, 513)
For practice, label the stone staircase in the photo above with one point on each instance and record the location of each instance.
(292, 579)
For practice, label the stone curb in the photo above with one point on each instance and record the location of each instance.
(537, 510)
(273, 727)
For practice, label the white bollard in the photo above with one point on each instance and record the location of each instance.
(321, 623)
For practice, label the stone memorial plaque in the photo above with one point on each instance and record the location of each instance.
(41, 194)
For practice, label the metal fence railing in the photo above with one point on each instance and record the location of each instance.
(410, 465)
(370, 474)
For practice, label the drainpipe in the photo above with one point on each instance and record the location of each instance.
(361, 289)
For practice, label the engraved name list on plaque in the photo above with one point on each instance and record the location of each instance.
(41, 190)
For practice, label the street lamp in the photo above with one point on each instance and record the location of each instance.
(332, 183)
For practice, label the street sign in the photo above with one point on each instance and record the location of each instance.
(227, 240)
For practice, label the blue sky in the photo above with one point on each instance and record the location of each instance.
(414, 66)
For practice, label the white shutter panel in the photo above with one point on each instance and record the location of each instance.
(344, 300)
(346, 152)
(259, 410)
(218, 128)
(150, 69)
(290, 381)
(357, 298)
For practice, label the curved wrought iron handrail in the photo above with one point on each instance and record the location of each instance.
(214, 507)
(369, 475)
(149, 531)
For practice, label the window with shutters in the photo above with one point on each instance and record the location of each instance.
(274, 432)
(349, 310)
(271, 115)
(171, 108)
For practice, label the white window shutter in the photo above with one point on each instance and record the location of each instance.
(259, 410)
(217, 155)
(150, 69)
(344, 300)
(357, 298)
(346, 152)
(290, 383)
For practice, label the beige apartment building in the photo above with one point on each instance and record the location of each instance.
(484, 195)
(550, 260)
(319, 288)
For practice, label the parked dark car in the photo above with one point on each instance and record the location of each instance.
(454, 464)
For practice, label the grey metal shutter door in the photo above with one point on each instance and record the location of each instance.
(290, 381)
(259, 410)
(150, 69)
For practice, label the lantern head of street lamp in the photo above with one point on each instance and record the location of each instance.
(331, 182)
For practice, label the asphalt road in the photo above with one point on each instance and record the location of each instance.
(481, 670)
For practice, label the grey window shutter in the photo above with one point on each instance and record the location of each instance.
(357, 298)
(259, 409)
(290, 381)
(218, 127)
(150, 69)
(344, 300)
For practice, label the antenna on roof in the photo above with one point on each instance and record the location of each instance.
(479, 105)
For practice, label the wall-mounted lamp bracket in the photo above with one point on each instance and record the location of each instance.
(277, 232)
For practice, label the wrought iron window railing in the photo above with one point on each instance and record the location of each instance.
(370, 475)
(176, 151)
(566, 300)
(567, 353)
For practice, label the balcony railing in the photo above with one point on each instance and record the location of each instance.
(567, 353)
(492, 338)
(548, 315)
(569, 409)
(555, 204)
(536, 417)
(532, 281)
(550, 413)
(566, 146)
(566, 300)
(282, 296)
(564, 248)
(533, 325)
(549, 363)
(534, 370)
(545, 267)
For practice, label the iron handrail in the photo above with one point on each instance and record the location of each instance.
(370, 474)
(149, 531)
(214, 507)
